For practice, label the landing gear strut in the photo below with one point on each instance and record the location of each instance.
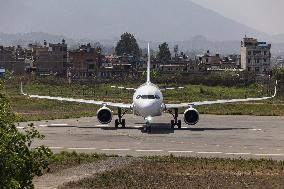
(175, 121)
(120, 121)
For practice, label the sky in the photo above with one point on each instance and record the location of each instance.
(264, 15)
(42, 15)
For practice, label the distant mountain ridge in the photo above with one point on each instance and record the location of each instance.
(197, 44)
(151, 20)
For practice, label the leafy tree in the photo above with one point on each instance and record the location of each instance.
(19, 163)
(279, 74)
(127, 45)
(164, 54)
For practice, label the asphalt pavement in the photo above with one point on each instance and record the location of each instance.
(213, 136)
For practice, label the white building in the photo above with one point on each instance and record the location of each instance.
(255, 56)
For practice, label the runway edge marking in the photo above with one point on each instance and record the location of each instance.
(180, 151)
(268, 154)
(209, 152)
(114, 149)
(149, 150)
(237, 153)
(82, 148)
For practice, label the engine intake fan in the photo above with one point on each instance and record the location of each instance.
(191, 116)
(104, 115)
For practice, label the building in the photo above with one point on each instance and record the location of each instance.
(255, 56)
(230, 62)
(279, 62)
(12, 59)
(209, 62)
(120, 67)
(84, 61)
(51, 59)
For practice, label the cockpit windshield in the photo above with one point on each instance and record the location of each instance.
(148, 97)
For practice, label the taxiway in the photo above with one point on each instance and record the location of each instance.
(213, 136)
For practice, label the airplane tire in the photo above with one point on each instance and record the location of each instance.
(149, 129)
(123, 123)
(116, 123)
(172, 124)
(145, 129)
(179, 124)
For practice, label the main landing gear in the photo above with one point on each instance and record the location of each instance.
(175, 121)
(120, 121)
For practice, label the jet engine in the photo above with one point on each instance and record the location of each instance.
(104, 115)
(191, 116)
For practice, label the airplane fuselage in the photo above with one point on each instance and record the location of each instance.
(148, 101)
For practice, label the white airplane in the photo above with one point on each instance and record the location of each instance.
(148, 103)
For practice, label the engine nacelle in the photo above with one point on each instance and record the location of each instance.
(191, 116)
(104, 115)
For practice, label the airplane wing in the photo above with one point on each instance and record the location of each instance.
(100, 103)
(186, 105)
(123, 88)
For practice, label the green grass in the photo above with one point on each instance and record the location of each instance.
(35, 109)
(65, 160)
(181, 172)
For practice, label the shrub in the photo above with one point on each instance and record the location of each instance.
(19, 163)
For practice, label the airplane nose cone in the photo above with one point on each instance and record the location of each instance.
(147, 108)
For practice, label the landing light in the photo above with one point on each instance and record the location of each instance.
(149, 118)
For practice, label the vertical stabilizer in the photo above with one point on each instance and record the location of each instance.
(148, 65)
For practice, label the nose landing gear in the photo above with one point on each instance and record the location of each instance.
(120, 121)
(175, 122)
(147, 128)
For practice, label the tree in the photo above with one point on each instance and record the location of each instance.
(19, 163)
(278, 74)
(127, 45)
(164, 54)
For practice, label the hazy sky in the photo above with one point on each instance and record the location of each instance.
(70, 16)
(265, 15)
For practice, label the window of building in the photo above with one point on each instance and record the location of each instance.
(248, 60)
(249, 69)
(264, 60)
(257, 70)
(265, 53)
(91, 67)
(207, 60)
(89, 60)
(249, 52)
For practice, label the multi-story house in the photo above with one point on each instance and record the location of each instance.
(255, 56)
(51, 59)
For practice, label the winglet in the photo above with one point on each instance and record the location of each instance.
(275, 89)
(148, 65)
(22, 91)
